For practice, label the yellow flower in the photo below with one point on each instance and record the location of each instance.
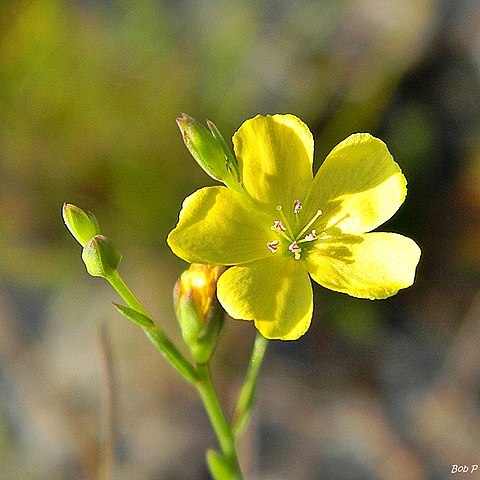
(285, 226)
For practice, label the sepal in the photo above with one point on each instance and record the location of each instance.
(210, 150)
(82, 225)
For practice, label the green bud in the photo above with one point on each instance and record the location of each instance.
(199, 314)
(83, 226)
(101, 256)
(210, 150)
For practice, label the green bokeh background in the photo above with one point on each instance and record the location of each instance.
(89, 93)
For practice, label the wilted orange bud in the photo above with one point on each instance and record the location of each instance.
(199, 314)
(200, 281)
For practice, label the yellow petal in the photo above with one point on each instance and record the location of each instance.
(275, 155)
(275, 293)
(358, 187)
(373, 265)
(216, 226)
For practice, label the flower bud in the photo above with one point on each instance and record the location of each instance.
(82, 226)
(199, 314)
(210, 150)
(101, 256)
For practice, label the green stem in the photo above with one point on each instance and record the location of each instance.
(154, 332)
(201, 379)
(122, 289)
(224, 434)
(243, 410)
(171, 353)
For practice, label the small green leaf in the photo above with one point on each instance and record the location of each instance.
(134, 316)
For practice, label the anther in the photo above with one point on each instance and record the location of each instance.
(273, 246)
(296, 250)
(278, 226)
(311, 236)
(297, 206)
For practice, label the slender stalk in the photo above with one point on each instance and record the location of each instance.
(154, 332)
(224, 434)
(200, 377)
(110, 404)
(122, 289)
(171, 353)
(243, 410)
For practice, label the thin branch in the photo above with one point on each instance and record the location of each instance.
(109, 404)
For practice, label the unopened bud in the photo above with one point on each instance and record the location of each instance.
(101, 256)
(83, 226)
(210, 150)
(199, 314)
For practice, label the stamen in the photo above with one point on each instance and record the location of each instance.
(297, 206)
(278, 226)
(296, 250)
(273, 246)
(310, 223)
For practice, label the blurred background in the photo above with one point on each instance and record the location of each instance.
(89, 93)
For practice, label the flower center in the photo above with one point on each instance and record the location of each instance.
(283, 229)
